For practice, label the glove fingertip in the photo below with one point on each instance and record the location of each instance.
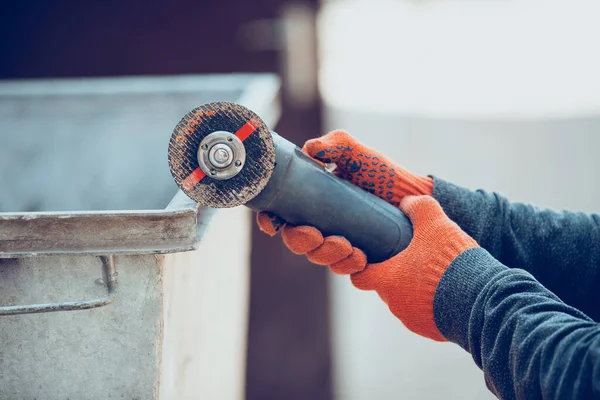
(328, 148)
(333, 249)
(338, 136)
(305, 151)
(318, 150)
(269, 223)
(301, 239)
(354, 263)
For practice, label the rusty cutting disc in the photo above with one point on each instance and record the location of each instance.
(196, 181)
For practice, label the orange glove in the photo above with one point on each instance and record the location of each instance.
(407, 281)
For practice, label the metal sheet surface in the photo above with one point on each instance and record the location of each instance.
(107, 352)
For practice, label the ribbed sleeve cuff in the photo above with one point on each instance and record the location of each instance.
(459, 204)
(457, 292)
(448, 194)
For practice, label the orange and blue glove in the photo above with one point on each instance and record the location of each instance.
(407, 281)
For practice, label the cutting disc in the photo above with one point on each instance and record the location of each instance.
(209, 186)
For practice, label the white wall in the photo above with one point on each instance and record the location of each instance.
(462, 58)
(497, 95)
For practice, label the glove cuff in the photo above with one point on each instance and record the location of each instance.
(414, 185)
(404, 183)
(437, 241)
(422, 320)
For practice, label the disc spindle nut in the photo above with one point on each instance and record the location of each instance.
(220, 155)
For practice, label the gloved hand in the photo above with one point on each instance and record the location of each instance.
(407, 281)
(365, 168)
(362, 166)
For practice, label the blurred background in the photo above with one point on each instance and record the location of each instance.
(495, 94)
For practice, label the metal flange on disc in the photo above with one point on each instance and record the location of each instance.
(221, 154)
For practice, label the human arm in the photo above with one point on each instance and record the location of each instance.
(528, 343)
(561, 249)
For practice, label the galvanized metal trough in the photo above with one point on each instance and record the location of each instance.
(110, 284)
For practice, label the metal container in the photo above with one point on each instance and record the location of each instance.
(144, 309)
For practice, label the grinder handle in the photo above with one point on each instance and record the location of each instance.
(303, 192)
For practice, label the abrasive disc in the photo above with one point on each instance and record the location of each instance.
(212, 186)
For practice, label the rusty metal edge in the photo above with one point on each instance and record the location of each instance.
(261, 95)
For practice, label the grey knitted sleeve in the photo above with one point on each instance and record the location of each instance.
(529, 344)
(561, 249)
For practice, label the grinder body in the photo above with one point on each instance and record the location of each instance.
(303, 192)
(223, 155)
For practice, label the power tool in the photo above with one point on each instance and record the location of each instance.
(223, 155)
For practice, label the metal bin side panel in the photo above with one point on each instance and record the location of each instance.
(206, 295)
(111, 351)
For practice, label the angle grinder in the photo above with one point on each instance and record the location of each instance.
(223, 155)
